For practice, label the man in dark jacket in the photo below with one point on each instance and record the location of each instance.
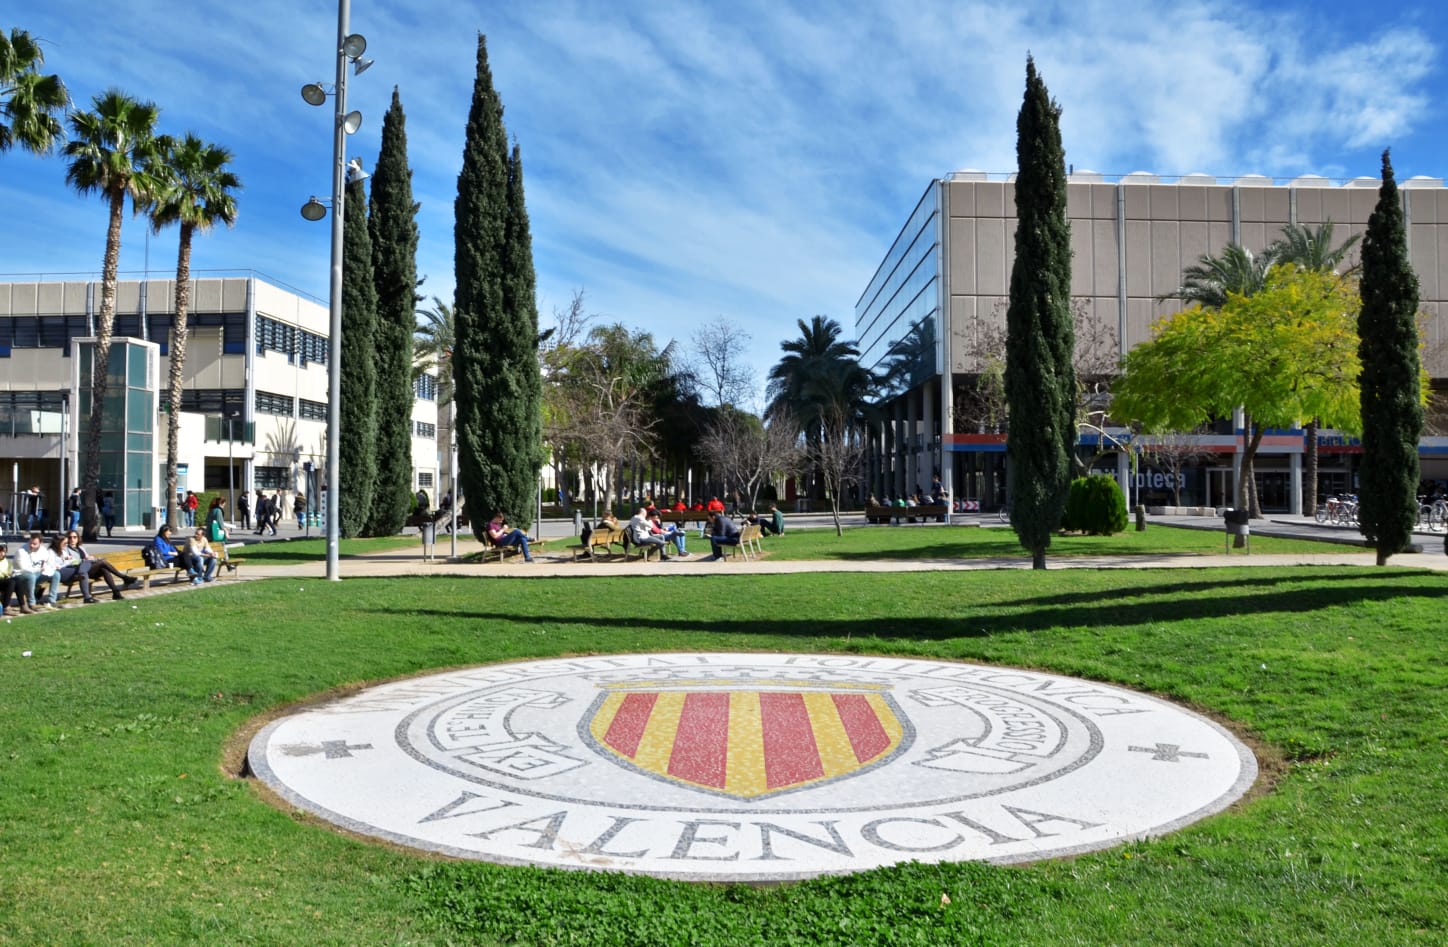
(722, 532)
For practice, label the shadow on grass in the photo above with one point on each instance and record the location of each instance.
(1093, 611)
(1253, 585)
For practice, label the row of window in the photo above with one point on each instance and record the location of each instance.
(311, 410)
(297, 344)
(56, 332)
(268, 403)
(426, 430)
(425, 387)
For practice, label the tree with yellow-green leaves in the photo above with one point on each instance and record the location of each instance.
(1285, 353)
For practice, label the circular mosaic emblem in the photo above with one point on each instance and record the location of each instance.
(751, 767)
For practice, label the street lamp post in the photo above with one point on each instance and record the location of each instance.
(350, 47)
(231, 461)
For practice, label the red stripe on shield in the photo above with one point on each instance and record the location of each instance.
(627, 727)
(867, 737)
(790, 753)
(702, 755)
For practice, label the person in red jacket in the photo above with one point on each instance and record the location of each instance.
(678, 506)
(716, 505)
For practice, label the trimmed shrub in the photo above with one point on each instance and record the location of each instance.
(1095, 506)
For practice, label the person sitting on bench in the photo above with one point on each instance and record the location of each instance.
(500, 535)
(722, 532)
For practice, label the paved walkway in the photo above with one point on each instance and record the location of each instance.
(555, 559)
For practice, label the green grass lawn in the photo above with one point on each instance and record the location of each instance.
(122, 820)
(865, 543)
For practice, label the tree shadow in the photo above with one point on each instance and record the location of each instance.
(1037, 614)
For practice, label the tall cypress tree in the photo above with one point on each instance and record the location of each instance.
(495, 366)
(1389, 382)
(1039, 379)
(357, 449)
(393, 227)
(521, 305)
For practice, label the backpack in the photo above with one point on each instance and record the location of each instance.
(151, 556)
(587, 533)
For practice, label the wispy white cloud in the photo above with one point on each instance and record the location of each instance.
(686, 160)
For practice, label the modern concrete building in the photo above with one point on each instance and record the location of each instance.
(934, 314)
(253, 405)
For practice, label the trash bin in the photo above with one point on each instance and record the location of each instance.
(1238, 524)
(429, 538)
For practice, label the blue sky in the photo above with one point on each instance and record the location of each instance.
(750, 160)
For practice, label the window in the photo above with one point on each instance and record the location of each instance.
(222, 401)
(425, 388)
(426, 430)
(313, 347)
(271, 478)
(268, 403)
(275, 336)
(424, 479)
(311, 410)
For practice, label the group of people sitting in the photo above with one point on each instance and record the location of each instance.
(39, 570)
(195, 554)
(647, 530)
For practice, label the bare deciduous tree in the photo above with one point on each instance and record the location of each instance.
(749, 453)
(717, 365)
(837, 455)
(1174, 453)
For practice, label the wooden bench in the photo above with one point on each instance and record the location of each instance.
(602, 537)
(505, 551)
(885, 515)
(683, 516)
(751, 541)
(131, 563)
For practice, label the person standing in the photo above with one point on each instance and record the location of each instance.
(72, 510)
(243, 507)
(30, 510)
(108, 512)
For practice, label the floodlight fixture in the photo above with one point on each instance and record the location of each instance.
(351, 122)
(360, 66)
(354, 45)
(314, 93)
(355, 172)
(314, 209)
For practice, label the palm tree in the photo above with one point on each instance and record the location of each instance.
(433, 341)
(1311, 249)
(195, 190)
(1208, 283)
(112, 151)
(30, 103)
(794, 382)
(1212, 278)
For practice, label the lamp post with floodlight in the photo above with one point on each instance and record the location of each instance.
(350, 47)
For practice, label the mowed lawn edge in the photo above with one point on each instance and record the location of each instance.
(120, 821)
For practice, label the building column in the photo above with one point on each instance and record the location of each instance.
(1294, 490)
(898, 454)
(912, 433)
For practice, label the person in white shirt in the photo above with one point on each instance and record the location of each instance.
(34, 564)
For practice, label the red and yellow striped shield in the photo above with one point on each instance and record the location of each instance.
(747, 743)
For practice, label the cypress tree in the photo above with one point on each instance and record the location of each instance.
(1040, 381)
(525, 410)
(495, 366)
(393, 227)
(357, 449)
(1392, 413)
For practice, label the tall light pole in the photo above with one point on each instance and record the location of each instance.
(231, 461)
(350, 47)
